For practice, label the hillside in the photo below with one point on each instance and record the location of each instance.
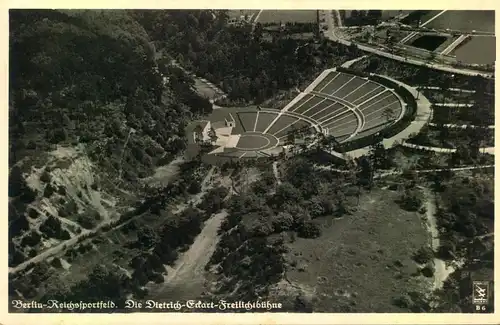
(105, 204)
(246, 62)
(91, 115)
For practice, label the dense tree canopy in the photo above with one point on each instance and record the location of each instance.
(246, 65)
(90, 76)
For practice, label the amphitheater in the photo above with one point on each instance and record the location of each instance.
(346, 106)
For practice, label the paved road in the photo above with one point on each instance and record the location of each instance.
(332, 34)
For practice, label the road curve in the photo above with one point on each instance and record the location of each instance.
(330, 33)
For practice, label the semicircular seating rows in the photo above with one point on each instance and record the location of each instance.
(338, 99)
(339, 104)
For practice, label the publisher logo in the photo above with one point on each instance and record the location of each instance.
(480, 292)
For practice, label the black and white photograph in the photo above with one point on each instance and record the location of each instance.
(251, 161)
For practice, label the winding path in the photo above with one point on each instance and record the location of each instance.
(489, 150)
(462, 126)
(86, 234)
(385, 173)
(442, 271)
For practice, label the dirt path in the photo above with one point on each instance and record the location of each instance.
(442, 271)
(65, 245)
(189, 268)
(385, 173)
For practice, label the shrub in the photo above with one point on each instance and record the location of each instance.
(283, 221)
(45, 177)
(87, 221)
(423, 255)
(32, 239)
(18, 186)
(32, 213)
(447, 250)
(261, 228)
(157, 278)
(309, 229)
(147, 236)
(61, 190)
(49, 190)
(52, 228)
(411, 200)
(56, 262)
(194, 187)
(428, 270)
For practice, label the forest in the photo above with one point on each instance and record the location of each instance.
(94, 78)
(87, 79)
(89, 76)
(247, 66)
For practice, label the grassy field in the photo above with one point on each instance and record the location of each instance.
(361, 262)
(463, 20)
(287, 16)
(478, 50)
(204, 90)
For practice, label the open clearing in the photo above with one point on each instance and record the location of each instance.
(361, 262)
(186, 278)
(204, 90)
(287, 16)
